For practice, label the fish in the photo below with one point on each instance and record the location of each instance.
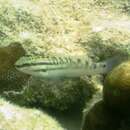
(64, 67)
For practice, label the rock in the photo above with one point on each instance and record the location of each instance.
(100, 118)
(125, 124)
(57, 94)
(10, 78)
(116, 89)
(99, 36)
(94, 29)
(65, 28)
(13, 117)
(9, 55)
(112, 113)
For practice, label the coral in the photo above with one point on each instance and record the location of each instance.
(117, 88)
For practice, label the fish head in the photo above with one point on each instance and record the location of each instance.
(31, 66)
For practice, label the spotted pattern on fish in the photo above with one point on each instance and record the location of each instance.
(28, 61)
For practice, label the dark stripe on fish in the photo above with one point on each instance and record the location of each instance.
(52, 61)
(34, 64)
(49, 69)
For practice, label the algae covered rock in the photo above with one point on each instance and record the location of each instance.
(116, 89)
(60, 94)
(13, 117)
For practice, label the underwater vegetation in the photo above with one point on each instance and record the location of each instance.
(95, 31)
